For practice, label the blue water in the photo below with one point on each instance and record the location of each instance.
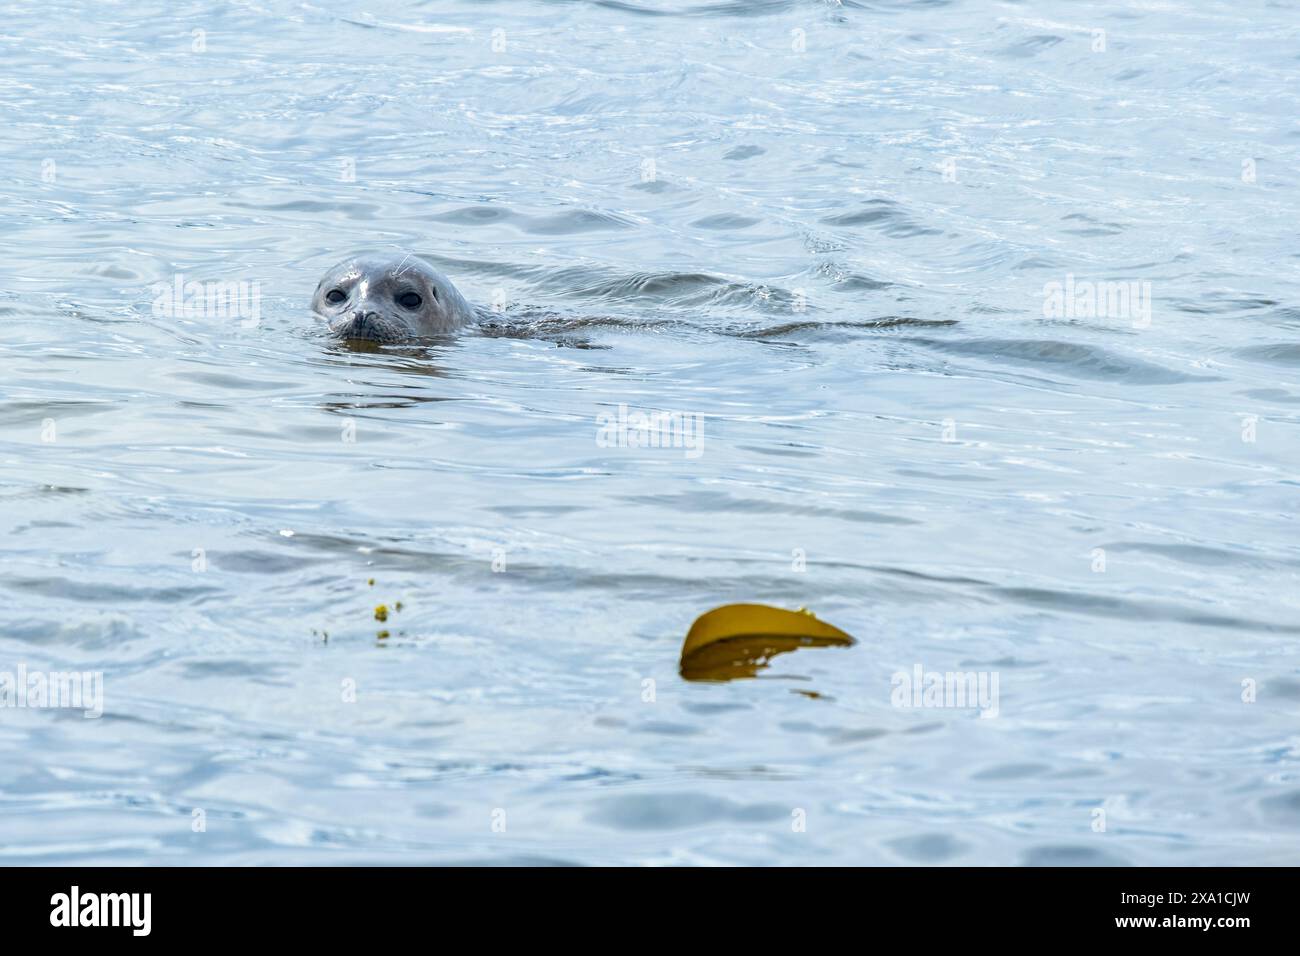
(825, 232)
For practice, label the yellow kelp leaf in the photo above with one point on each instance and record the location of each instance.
(738, 640)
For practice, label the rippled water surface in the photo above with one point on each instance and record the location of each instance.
(823, 230)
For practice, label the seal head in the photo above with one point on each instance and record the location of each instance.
(389, 299)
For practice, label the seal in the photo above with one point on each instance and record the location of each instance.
(389, 299)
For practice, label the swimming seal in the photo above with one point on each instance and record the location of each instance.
(389, 299)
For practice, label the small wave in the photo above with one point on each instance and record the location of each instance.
(565, 223)
(817, 328)
(1069, 358)
(1203, 556)
(884, 214)
(677, 289)
(717, 502)
(1099, 605)
(67, 589)
(1072, 856)
(725, 221)
(849, 280)
(1282, 353)
(730, 8)
(1226, 304)
(1030, 46)
(530, 322)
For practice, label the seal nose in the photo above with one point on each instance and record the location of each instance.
(361, 319)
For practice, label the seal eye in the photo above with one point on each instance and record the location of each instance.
(409, 300)
(335, 296)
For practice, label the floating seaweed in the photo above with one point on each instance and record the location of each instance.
(739, 640)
